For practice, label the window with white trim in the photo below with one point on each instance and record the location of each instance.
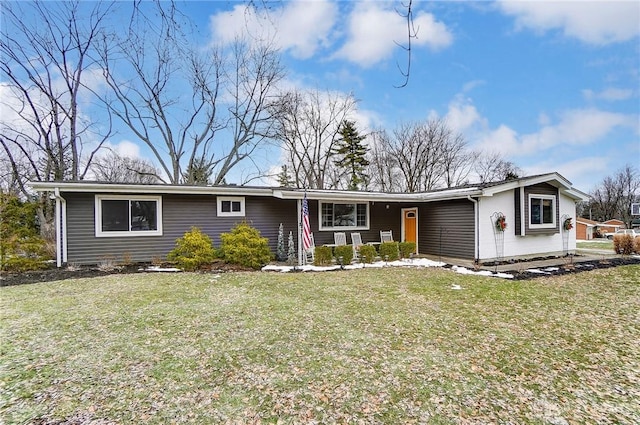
(542, 211)
(344, 216)
(128, 216)
(231, 206)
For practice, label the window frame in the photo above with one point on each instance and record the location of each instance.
(232, 199)
(99, 233)
(322, 227)
(554, 211)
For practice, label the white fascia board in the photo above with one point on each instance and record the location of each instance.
(576, 194)
(550, 178)
(343, 195)
(354, 196)
(153, 188)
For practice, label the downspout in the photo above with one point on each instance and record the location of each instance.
(476, 229)
(61, 228)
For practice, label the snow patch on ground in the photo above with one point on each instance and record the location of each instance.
(160, 269)
(464, 270)
(418, 262)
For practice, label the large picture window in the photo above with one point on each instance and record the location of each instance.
(121, 216)
(542, 211)
(344, 216)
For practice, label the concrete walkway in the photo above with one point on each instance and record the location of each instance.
(581, 256)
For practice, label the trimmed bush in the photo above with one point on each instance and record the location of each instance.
(637, 245)
(344, 251)
(193, 250)
(623, 244)
(322, 256)
(389, 250)
(368, 253)
(244, 246)
(406, 249)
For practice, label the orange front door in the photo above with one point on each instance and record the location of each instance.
(410, 225)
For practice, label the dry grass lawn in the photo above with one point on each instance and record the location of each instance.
(363, 346)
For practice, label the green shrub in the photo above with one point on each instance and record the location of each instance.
(21, 247)
(623, 244)
(344, 251)
(244, 246)
(406, 249)
(322, 256)
(389, 251)
(193, 250)
(368, 254)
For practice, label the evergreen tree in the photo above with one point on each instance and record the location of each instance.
(284, 180)
(281, 254)
(352, 153)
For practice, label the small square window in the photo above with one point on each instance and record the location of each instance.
(231, 206)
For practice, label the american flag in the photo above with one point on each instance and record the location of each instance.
(306, 227)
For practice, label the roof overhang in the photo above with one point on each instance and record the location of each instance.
(359, 196)
(553, 179)
(92, 187)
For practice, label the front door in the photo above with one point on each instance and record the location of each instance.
(410, 225)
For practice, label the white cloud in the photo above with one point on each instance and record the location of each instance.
(462, 115)
(301, 27)
(610, 94)
(126, 149)
(576, 127)
(374, 30)
(592, 22)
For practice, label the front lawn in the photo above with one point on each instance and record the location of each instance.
(363, 346)
(604, 244)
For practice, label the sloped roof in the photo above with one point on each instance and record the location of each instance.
(464, 191)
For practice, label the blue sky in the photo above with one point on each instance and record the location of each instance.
(554, 86)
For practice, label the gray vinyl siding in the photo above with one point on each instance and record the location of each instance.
(179, 214)
(446, 228)
(541, 189)
(380, 218)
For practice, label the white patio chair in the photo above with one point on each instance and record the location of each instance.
(309, 254)
(386, 236)
(340, 238)
(356, 243)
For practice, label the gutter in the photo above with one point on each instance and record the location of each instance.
(60, 222)
(476, 229)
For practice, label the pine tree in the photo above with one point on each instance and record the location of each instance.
(281, 254)
(352, 153)
(284, 180)
(292, 250)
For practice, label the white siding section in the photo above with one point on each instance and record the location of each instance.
(520, 246)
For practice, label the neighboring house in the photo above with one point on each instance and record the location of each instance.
(586, 229)
(611, 226)
(141, 222)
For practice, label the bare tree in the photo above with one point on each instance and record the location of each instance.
(420, 156)
(182, 96)
(307, 129)
(491, 166)
(46, 51)
(383, 165)
(613, 197)
(116, 168)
